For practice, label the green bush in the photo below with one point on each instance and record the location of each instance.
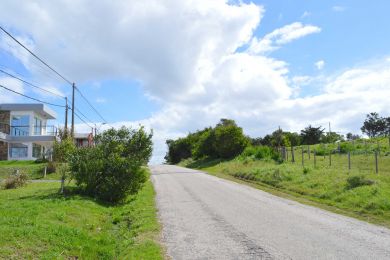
(357, 181)
(51, 167)
(15, 181)
(260, 152)
(112, 169)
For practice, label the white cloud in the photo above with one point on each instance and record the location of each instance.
(101, 100)
(184, 55)
(338, 8)
(305, 14)
(320, 64)
(281, 36)
(11, 83)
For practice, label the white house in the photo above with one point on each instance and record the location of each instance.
(24, 131)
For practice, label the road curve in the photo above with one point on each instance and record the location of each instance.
(205, 217)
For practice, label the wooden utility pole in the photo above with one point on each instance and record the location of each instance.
(72, 129)
(66, 115)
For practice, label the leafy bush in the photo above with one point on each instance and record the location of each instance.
(51, 167)
(112, 169)
(229, 140)
(260, 152)
(357, 181)
(41, 160)
(62, 151)
(15, 180)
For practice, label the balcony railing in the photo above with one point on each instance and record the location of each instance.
(25, 130)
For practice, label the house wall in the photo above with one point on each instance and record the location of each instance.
(5, 121)
(3, 151)
(31, 115)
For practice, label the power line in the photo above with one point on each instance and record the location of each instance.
(44, 102)
(78, 111)
(33, 54)
(80, 117)
(30, 84)
(91, 105)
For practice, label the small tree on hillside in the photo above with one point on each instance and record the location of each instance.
(230, 140)
(311, 135)
(374, 125)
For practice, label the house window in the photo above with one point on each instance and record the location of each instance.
(37, 151)
(18, 150)
(20, 125)
(37, 126)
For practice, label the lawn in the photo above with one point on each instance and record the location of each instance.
(36, 222)
(35, 171)
(358, 192)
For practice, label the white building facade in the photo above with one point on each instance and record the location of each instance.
(25, 131)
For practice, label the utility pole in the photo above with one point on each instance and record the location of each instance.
(66, 116)
(329, 129)
(72, 131)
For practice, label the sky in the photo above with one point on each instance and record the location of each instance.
(176, 66)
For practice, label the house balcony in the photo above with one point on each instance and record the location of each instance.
(28, 133)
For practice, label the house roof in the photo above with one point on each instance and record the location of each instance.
(81, 135)
(40, 109)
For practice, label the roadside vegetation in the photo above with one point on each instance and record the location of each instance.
(328, 170)
(103, 209)
(36, 222)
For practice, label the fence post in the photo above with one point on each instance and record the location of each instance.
(315, 160)
(376, 162)
(44, 172)
(330, 158)
(308, 150)
(286, 154)
(292, 154)
(349, 161)
(303, 163)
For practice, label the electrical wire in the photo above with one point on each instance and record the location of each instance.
(33, 54)
(30, 84)
(44, 102)
(81, 94)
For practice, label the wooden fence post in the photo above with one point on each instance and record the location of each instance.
(292, 154)
(315, 161)
(349, 161)
(330, 158)
(44, 172)
(308, 150)
(376, 162)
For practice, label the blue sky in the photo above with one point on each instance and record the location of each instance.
(177, 66)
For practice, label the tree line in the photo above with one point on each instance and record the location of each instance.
(227, 140)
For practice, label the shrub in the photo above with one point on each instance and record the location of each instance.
(112, 169)
(15, 180)
(357, 181)
(306, 170)
(260, 152)
(229, 140)
(51, 167)
(41, 160)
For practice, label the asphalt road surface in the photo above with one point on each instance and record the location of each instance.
(205, 217)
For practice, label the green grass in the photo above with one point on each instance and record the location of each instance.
(358, 192)
(36, 222)
(32, 169)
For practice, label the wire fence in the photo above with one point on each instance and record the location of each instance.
(365, 156)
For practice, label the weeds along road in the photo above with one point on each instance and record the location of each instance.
(205, 217)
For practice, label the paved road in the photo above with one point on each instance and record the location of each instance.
(205, 217)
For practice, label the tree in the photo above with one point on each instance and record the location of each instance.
(205, 146)
(178, 150)
(351, 136)
(331, 137)
(229, 139)
(293, 138)
(112, 169)
(311, 135)
(374, 125)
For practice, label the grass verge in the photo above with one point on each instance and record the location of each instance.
(33, 170)
(37, 222)
(365, 196)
